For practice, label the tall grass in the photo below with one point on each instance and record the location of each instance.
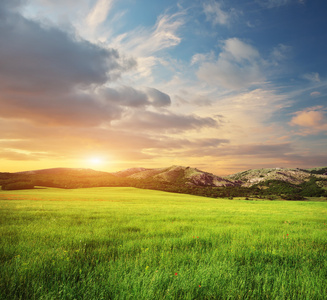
(125, 243)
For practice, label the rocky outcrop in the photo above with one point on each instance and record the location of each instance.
(289, 175)
(206, 179)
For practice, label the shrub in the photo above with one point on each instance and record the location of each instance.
(292, 197)
(17, 186)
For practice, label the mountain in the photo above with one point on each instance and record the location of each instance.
(295, 176)
(178, 174)
(287, 183)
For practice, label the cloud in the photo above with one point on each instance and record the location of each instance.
(49, 76)
(315, 94)
(184, 146)
(66, 85)
(184, 97)
(223, 150)
(10, 5)
(99, 13)
(18, 156)
(215, 14)
(71, 109)
(145, 42)
(124, 96)
(262, 150)
(164, 122)
(59, 61)
(157, 98)
(200, 57)
(239, 50)
(71, 142)
(314, 77)
(312, 119)
(280, 53)
(130, 97)
(238, 66)
(26, 141)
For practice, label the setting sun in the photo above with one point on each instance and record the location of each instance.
(95, 160)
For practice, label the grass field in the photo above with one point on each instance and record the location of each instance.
(126, 243)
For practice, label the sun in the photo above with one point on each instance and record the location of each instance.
(95, 161)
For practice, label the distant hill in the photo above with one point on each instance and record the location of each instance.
(64, 171)
(289, 175)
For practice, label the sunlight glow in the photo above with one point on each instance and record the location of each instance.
(95, 160)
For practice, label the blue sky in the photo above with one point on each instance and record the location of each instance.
(219, 85)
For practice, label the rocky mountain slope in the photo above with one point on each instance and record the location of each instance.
(289, 175)
(173, 174)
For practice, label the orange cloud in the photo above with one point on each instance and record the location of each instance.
(312, 119)
(308, 118)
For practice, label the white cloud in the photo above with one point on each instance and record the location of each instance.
(215, 14)
(240, 50)
(238, 66)
(99, 13)
(314, 77)
(201, 57)
(146, 42)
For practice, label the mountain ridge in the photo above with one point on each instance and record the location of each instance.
(290, 183)
(194, 176)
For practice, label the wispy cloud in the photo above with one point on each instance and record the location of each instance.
(237, 66)
(99, 13)
(314, 77)
(280, 53)
(148, 41)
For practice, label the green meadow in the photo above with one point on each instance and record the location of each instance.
(127, 243)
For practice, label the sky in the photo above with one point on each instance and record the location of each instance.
(223, 86)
